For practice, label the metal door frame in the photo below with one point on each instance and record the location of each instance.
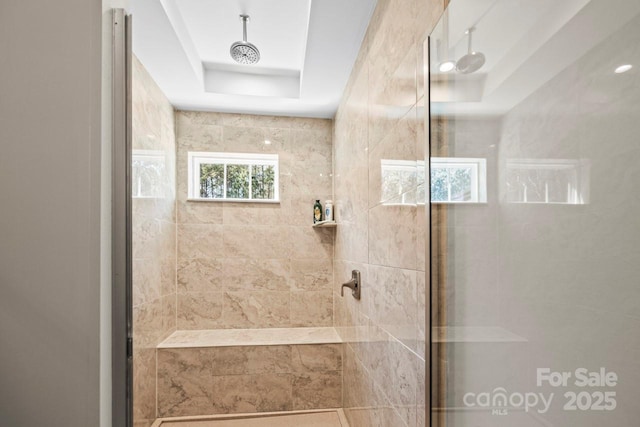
(121, 307)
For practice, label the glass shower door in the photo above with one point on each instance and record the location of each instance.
(535, 213)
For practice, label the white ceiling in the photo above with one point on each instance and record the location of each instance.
(277, 27)
(307, 49)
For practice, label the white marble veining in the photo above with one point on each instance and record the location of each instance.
(250, 337)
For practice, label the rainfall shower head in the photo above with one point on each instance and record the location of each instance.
(472, 61)
(244, 52)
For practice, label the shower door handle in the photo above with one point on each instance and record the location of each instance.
(353, 284)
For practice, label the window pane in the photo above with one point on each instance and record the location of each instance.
(237, 181)
(561, 186)
(460, 184)
(515, 185)
(439, 185)
(212, 181)
(391, 183)
(262, 182)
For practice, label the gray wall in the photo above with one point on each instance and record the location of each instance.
(50, 212)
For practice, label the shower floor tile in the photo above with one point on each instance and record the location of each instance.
(314, 419)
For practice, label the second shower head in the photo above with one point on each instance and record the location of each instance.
(472, 61)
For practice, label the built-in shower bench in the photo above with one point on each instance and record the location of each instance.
(250, 337)
(230, 371)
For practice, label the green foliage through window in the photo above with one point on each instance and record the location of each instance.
(238, 182)
(211, 181)
(230, 176)
(262, 182)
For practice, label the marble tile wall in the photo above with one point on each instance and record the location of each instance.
(154, 239)
(382, 117)
(246, 265)
(248, 379)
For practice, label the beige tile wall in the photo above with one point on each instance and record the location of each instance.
(382, 116)
(247, 379)
(154, 247)
(249, 265)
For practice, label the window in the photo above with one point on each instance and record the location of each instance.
(399, 178)
(453, 180)
(237, 177)
(548, 181)
(458, 180)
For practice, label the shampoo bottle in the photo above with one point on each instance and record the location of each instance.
(328, 210)
(317, 212)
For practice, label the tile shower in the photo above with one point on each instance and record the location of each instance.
(238, 305)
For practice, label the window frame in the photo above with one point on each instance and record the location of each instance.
(198, 158)
(478, 177)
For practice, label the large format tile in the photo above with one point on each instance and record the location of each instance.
(148, 323)
(311, 274)
(256, 242)
(198, 212)
(311, 242)
(184, 382)
(392, 302)
(317, 390)
(247, 274)
(311, 308)
(198, 136)
(199, 241)
(392, 236)
(256, 253)
(144, 383)
(252, 393)
(201, 275)
(200, 310)
(256, 214)
(316, 358)
(153, 239)
(380, 126)
(255, 309)
(247, 360)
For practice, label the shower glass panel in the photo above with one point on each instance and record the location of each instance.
(536, 286)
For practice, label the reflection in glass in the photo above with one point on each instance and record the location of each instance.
(453, 180)
(554, 181)
(398, 177)
(148, 173)
(458, 180)
(544, 275)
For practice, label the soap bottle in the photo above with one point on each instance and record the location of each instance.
(317, 212)
(328, 210)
